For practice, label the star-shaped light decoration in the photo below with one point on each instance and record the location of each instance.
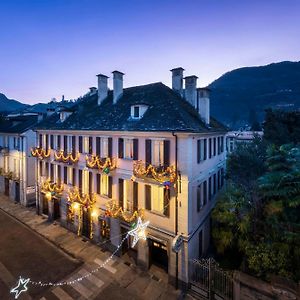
(20, 288)
(138, 232)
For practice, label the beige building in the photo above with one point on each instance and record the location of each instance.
(147, 151)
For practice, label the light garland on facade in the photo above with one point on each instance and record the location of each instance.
(104, 165)
(160, 174)
(113, 210)
(48, 186)
(40, 152)
(68, 158)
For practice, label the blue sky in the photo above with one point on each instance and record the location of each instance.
(51, 48)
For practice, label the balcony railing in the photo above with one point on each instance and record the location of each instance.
(105, 165)
(66, 157)
(113, 210)
(40, 152)
(163, 174)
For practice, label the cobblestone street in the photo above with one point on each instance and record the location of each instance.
(119, 279)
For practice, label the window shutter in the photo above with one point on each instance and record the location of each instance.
(204, 192)
(51, 141)
(166, 153)
(90, 182)
(40, 140)
(205, 149)
(148, 196)
(135, 149)
(110, 147)
(121, 148)
(74, 144)
(80, 144)
(209, 146)
(58, 142)
(47, 142)
(198, 151)
(51, 172)
(59, 174)
(98, 183)
(110, 186)
(148, 152)
(166, 202)
(41, 168)
(65, 143)
(80, 180)
(65, 175)
(90, 145)
(135, 196)
(121, 192)
(198, 198)
(98, 145)
(74, 176)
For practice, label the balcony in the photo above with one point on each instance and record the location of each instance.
(162, 174)
(105, 165)
(4, 150)
(66, 157)
(40, 153)
(113, 210)
(52, 187)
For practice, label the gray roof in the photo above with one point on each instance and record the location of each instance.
(18, 124)
(167, 111)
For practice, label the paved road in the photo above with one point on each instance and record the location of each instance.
(24, 253)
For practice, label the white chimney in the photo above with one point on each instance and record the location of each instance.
(102, 87)
(177, 80)
(203, 104)
(118, 85)
(191, 89)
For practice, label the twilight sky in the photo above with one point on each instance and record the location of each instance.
(55, 47)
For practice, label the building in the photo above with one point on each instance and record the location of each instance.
(147, 151)
(17, 176)
(233, 138)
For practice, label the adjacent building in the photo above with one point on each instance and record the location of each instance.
(147, 151)
(17, 176)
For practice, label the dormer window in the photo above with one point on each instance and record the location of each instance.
(138, 110)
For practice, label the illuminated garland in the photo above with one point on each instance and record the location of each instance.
(80, 202)
(40, 152)
(48, 186)
(104, 165)
(113, 210)
(60, 156)
(160, 174)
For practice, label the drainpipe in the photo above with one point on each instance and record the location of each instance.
(176, 203)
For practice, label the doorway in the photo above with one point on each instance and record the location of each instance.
(158, 255)
(86, 222)
(45, 210)
(56, 209)
(6, 186)
(17, 192)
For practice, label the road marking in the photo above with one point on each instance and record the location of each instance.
(107, 267)
(92, 278)
(61, 294)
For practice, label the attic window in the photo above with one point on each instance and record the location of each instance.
(137, 111)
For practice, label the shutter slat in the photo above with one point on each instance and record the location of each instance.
(166, 153)
(121, 148)
(148, 152)
(135, 149)
(121, 192)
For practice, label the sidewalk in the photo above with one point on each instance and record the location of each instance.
(117, 280)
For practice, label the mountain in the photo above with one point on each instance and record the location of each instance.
(240, 97)
(8, 105)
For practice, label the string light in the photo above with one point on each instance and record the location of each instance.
(139, 232)
(21, 287)
(160, 174)
(60, 156)
(40, 152)
(105, 166)
(48, 186)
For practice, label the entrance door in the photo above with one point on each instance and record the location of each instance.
(158, 255)
(45, 205)
(200, 244)
(17, 192)
(86, 223)
(56, 209)
(6, 183)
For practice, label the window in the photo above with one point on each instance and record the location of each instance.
(104, 147)
(80, 144)
(215, 146)
(90, 145)
(136, 112)
(157, 196)
(201, 150)
(65, 143)
(210, 148)
(204, 192)
(222, 144)
(104, 184)
(158, 153)
(209, 188)
(65, 175)
(51, 141)
(85, 183)
(85, 144)
(47, 141)
(199, 200)
(128, 148)
(98, 184)
(98, 144)
(58, 142)
(70, 175)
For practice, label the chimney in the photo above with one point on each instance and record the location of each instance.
(191, 89)
(118, 85)
(177, 80)
(102, 87)
(203, 104)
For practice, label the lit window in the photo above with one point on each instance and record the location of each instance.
(128, 148)
(128, 192)
(70, 175)
(158, 153)
(104, 184)
(85, 144)
(104, 147)
(157, 197)
(85, 179)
